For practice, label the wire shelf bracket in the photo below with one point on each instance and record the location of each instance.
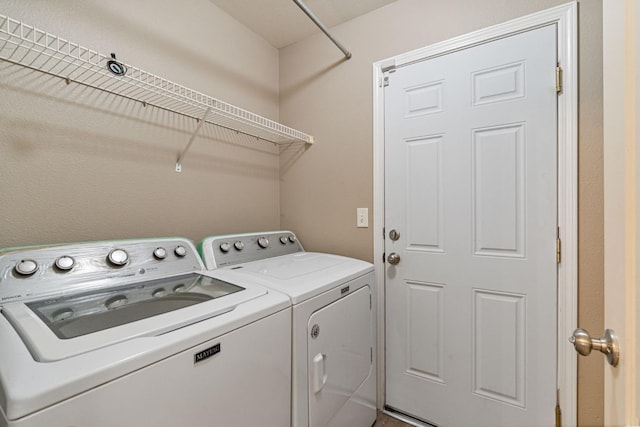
(193, 137)
(30, 47)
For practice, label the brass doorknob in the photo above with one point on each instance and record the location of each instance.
(608, 344)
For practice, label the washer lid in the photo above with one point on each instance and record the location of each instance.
(62, 327)
(301, 275)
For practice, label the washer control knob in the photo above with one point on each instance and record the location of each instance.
(225, 247)
(180, 251)
(263, 242)
(292, 238)
(239, 245)
(284, 240)
(26, 267)
(65, 263)
(118, 257)
(160, 253)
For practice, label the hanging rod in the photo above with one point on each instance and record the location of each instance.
(324, 29)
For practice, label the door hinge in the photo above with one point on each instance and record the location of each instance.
(384, 258)
(384, 233)
(385, 81)
(558, 79)
(558, 410)
(558, 247)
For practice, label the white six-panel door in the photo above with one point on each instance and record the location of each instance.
(471, 190)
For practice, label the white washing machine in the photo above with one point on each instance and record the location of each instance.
(333, 357)
(136, 333)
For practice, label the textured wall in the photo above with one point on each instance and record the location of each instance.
(322, 186)
(77, 164)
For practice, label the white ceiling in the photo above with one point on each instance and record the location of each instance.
(282, 22)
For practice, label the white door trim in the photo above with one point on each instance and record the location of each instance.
(566, 19)
(621, 42)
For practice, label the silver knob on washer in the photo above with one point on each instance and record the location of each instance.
(160, 253)
(118, 257)
(180, 251)
(26, 267)
(263, 242)
(65, 263)
(224, 247)
(239, 245)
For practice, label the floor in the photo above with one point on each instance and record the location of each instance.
(387, 421)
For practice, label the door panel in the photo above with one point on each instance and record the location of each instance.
(424, 331)
(423, 183)
(471, 187)
(498, 321)
(498, 190)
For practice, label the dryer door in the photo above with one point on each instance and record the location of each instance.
(340, 354)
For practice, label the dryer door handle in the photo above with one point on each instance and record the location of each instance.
(319, 373)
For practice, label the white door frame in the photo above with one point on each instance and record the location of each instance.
(566, 19)
(621, 50)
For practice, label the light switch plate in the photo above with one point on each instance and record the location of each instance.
(362, 217)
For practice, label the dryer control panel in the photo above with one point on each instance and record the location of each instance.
(231, 249)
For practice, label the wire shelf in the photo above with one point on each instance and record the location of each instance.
(30, 47)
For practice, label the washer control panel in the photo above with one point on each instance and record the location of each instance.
(32, 272)
(222, 251)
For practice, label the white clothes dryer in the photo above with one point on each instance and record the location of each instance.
(136, 333)
(334, 339)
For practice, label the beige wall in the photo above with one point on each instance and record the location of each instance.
(322, 186)
(76, 164)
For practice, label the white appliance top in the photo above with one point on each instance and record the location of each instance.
(76, 316)
(70, 299)
(281, 264)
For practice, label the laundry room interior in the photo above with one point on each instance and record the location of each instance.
(80, 164)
